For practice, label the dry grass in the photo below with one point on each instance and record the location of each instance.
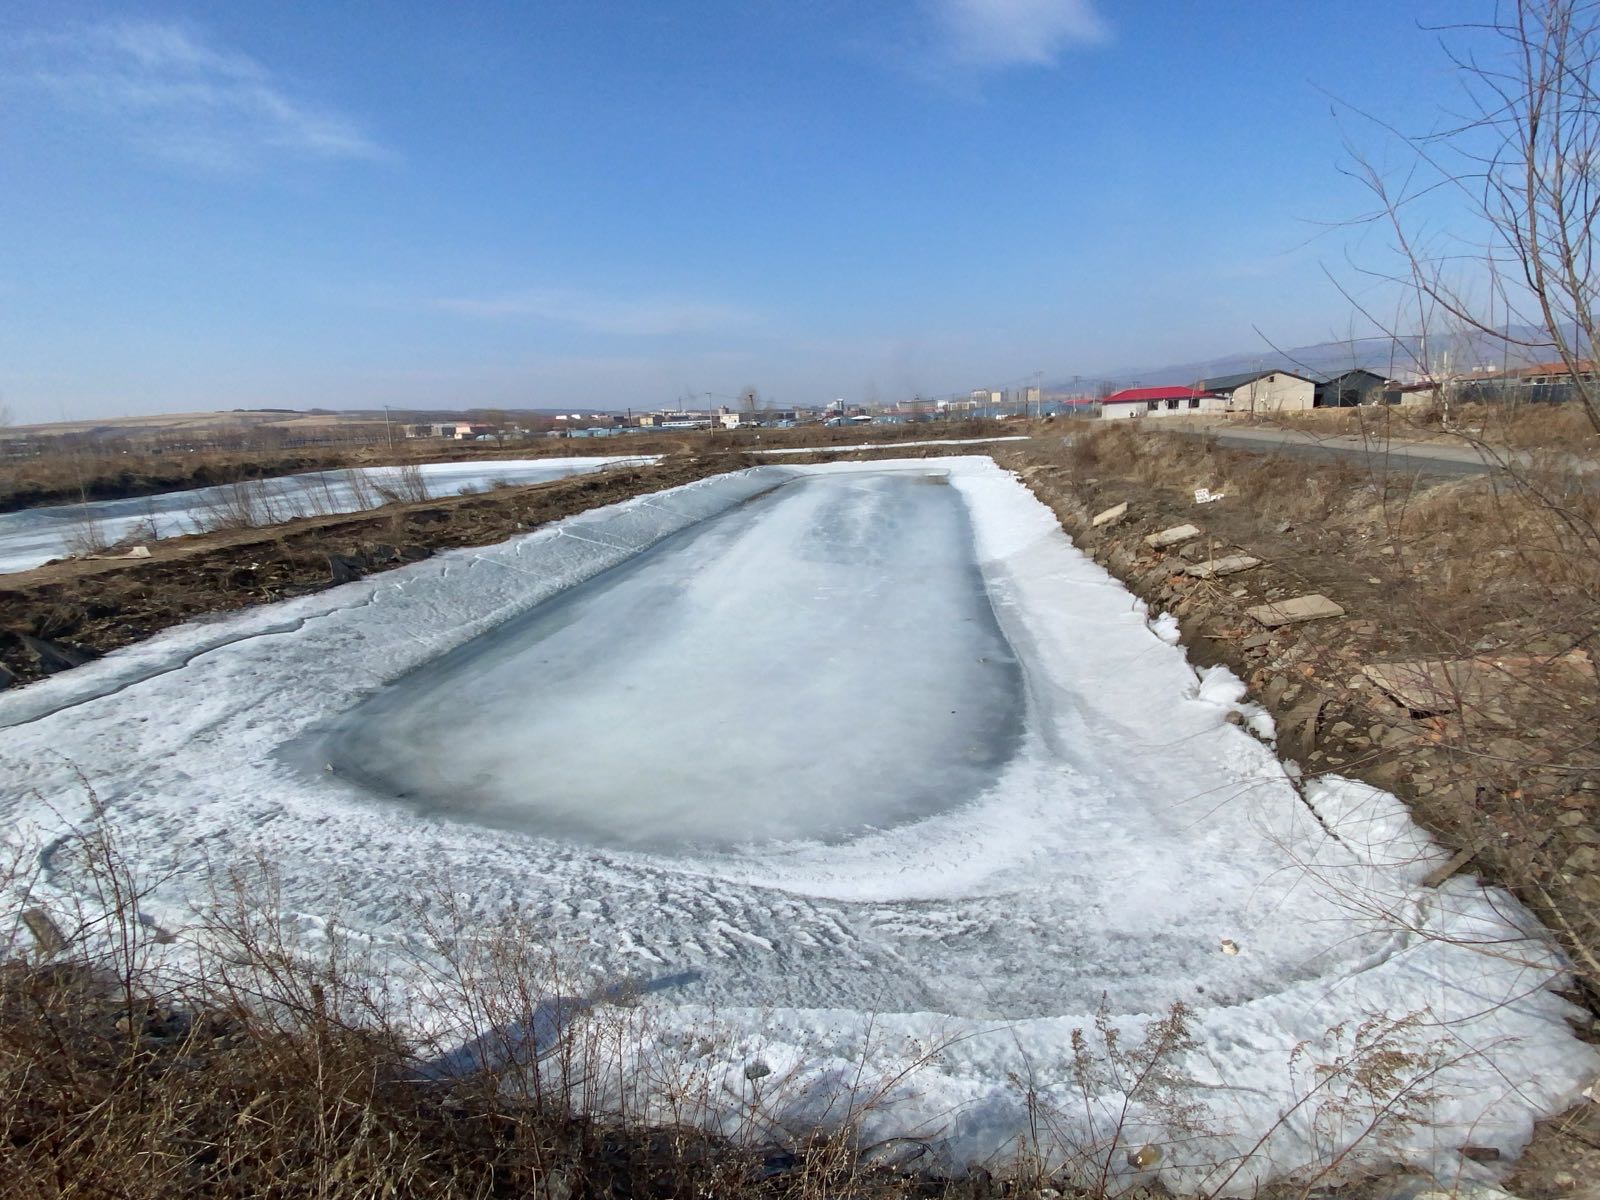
(1508, 426)
(244, 1057)
(1520, 545)
(259, 1064)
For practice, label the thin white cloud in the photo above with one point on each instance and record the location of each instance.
(1006, 33)
(175, 95)
(647, 316)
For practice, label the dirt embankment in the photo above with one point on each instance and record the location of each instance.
(74, 477)
(1458, 677)
(83, 607)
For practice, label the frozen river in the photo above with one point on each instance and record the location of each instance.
(839, 763)
(33, 536)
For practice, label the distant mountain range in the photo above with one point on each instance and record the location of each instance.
(1391, 357)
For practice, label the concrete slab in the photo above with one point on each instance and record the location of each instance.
(1231, 564)
(1315, 607)
(1430, 687)
(1172, 536)
(1114, 513)
(1447, 685)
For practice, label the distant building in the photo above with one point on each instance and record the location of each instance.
(1554, 373)
(1264, 391)
(456, 430)
(1539, 383)
(684, 420)
(1159, 401)
(1353, 388)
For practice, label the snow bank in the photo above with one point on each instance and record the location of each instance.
(1133, 850)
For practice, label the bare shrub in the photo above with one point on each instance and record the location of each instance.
(147, 530)
(1358, 1096)
(363, 494)
(87, 538)
(406, 484)
(246, 504)
(1131, 1105)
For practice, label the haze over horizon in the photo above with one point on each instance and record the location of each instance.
(607, 205)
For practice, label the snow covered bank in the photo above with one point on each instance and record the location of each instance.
(37, 535)
(1126, 846)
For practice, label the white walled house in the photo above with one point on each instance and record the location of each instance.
(1264, 391)
(1159, 402)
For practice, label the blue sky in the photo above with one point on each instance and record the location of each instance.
(581, 203)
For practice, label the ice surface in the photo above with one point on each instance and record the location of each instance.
(1102, 860)
(982, 441)
(818, 662)
(37, 535)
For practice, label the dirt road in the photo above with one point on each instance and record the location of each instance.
(1384, 456)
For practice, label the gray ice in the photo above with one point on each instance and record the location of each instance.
(817, 662)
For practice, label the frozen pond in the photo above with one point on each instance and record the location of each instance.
(36, 535)
(861, 771)
(771, 674)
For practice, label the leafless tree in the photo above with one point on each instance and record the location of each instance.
(1523, 168)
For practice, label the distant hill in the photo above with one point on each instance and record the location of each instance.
(1395, 357)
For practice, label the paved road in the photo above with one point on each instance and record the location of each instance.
(1423, 458)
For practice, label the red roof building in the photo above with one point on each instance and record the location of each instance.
(1145, 395)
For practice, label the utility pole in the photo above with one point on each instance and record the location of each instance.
(388, 429)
